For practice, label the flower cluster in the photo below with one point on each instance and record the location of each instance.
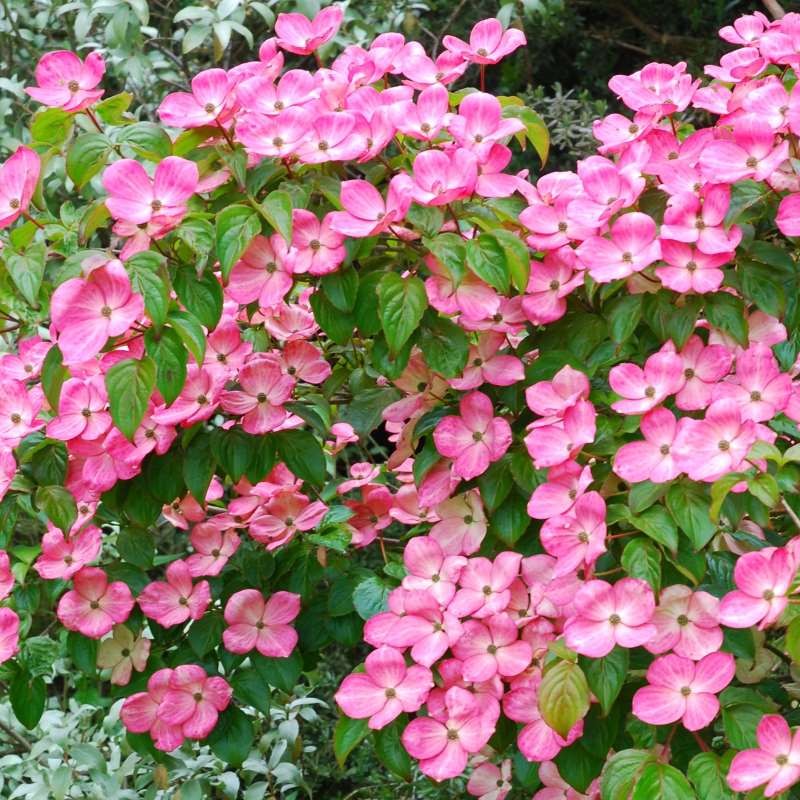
(326, 317)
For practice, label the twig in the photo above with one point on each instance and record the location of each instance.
(446, 27)
(22, 741)
(788, 509)
(774, 8)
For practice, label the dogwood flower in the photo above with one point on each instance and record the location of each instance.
(177, 599)
(93, 606)
(65, 82)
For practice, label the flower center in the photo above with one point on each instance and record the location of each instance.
(768, 595)
(633, 128)
(208, 108)
(390, 693)
(491, 649)
(650, 391)
(197, 696)
(183, 601)
(583, 537)
(436, 578)
(477, 436)
(572, 494)
(664, 449)
(468, 520)
(323, 145)
(755, 397)
(688, 373)
(94, 605)
(487, 590)
(452, 735)
(782, 760)
(682, 620)
(87, 412)
(752, 162)
(615, 619)
(68, 560)
(73, 86)
(277, 142)
(686, 691)
(481, 51)
(723, 445)
(260, 625)
(562, 227)
(315, 244)
(278, 105)
(554, 286)
(125, 652)
(16, 419)
(106, 311)
(477, 362)
(691, 266)
(201, 400)
(156, 205)
(13, 203)
(627, 257)
(425, 128)
(289, 521)
(261, 397)
(215, 552)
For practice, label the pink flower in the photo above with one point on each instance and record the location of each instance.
(462, 525)
(752, 154)
(333, 136)
(175, 600)
(263, 625)
(763, 580)
(489, 782)
(429, 569)
(679, 689)
(194, 700)
(295, 88)
(537, 741)
(643, 389)
(686, 622)
(689, 269)
(485, 586)
(63, 556)
(285, 514)
(365, 211)
(260, 401)
(212, 549)
(139, 713)
(87, 312)
(475, 438)
(295, 33)
(633, 246)
(19, 175)
(650, 459)
(703, 366)
(274, 136)
(6, 576)
(565, 484)
(577, 538)
(553, 398)
(211, 101)
(18, 410)
(699, 220)
(492, 649)
(386, 688)
(64, 81)
(424, 119)
(660, 89)
(607, 615)
(9, 634)
(558, 441)
(303, 361)
(263, 273)
(712, 447)
(443, 747)
(479, 123)
(488, 42)
(788, 217)
(550, 282)
(318, 249)
(197, 401)
(93, 605)
(440, 178)
(775, 762)
(484, 365)
(135, 198)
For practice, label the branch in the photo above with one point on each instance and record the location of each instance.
(15, 736)
(774, 8)
(446, 27)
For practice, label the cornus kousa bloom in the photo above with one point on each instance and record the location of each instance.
(265, 388)
(774, 764)
(212, 549)
(488, 42)
(492, 649)
(135, 198)
(686, 622)
(680, 689)
(139, 713)
(609, 615)
(461, 525)
(296, 33)
(263, 273)
(650, 459)
(385, 689)
(177, 599)
(690, 270)
(565, 484)
(193, 701)
(440, 178)
(211, 101)
(474, 439)
(485, 365)
(703, 366)
(490, 782)
(64, 81)
(254, 623)
(365, 212)
(318, 249)
(551, 443)
(643, 389)
(122, 654)
(484, 585)
(87, 312)
(429, 569)
(443, 747)
(9, 634)
(94, 605)
(62, 556)
(763, 580)
(19, 175)
(576, 538)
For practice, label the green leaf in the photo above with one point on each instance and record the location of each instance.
(130, 384)
(51, 126)
(445, 347)
(370, 597)
(535, 128)
(760, 285)
(450, 251)
(391, 752)
(518, 257)
(86, 156)
(250, 688)
(347, 735)
(337, 324)
(719, 491)
(198, 467)
(563, 696)
(689, 507)
(191, 333)
(606, 676)
(27, 695)
(726, 312)
(83, 652)
(112, 109)
(643, 494)
(147, 140)
(708, 774)
(54, 373)
(205, 633)
(149, 279)
(277, 210)
(27, 270)
(658, 525)
(662, 780)
(764, 487)
(58, 505)
(402, 302)
(282, 673)
(167, 350)
(341, 288)
(232, 736)
(234, 450)
(136, 546)
(792, 642)
(487, 259)
(201, 295)
(622, 772)
(510, 521)
(624, 315)
(302, 453)
(642, 559)
(236, 227)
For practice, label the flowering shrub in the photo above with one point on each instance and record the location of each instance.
(309, 362)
